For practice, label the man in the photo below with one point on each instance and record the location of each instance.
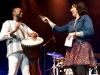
(14, 31)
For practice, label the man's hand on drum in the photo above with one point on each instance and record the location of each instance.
(34, 35)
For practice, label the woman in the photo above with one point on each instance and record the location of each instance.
(80, 54)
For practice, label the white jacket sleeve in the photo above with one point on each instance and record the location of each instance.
(5, 31)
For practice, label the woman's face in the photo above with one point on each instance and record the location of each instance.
(74, 11)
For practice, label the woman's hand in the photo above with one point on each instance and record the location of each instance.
(70, 35)
(45, 19)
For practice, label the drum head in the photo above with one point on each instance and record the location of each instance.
(30, 42)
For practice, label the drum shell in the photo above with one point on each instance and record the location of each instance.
(32, 49)
(32, 52)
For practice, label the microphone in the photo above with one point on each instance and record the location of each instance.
(54, 39)
(42, 17)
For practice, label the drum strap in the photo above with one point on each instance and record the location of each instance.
(22, 33)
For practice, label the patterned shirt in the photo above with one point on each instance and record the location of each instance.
(14, 43)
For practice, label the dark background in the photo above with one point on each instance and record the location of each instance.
(57, 11)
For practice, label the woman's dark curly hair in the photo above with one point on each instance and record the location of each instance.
(81, 8)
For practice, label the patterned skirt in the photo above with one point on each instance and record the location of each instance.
(81, 53)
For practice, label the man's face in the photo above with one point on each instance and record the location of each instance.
(18, 13)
